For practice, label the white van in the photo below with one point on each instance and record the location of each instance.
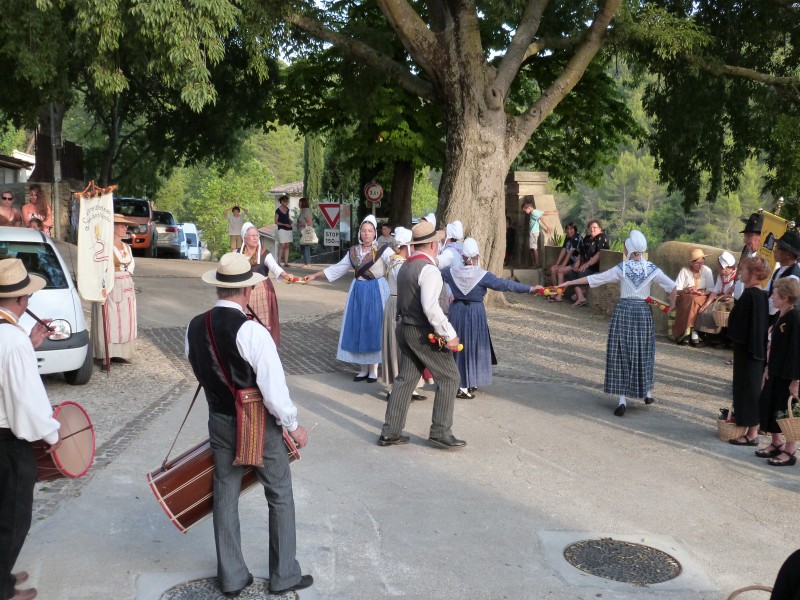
(192, 241)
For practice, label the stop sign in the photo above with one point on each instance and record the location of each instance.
(373, 192)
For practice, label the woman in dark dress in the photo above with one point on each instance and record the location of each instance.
(782, 375)
(747, 329)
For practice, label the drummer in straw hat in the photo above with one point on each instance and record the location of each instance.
(246, 351)
(25, 417)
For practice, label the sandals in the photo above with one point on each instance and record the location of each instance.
(766, 453)
(581, 303)
(747, 441)
(791, 460)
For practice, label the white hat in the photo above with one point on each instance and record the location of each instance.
(402, 236)
(470, 248)
(455, 231)
(726, 260)
(15, 280)
(636, 242)
(370, 219)
(233, 271)
(245, 227)
(431, 218)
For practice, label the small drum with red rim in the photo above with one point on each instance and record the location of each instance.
(184, 487)
(75, 455)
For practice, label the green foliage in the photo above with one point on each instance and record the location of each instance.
(281, 149)
(424, 197)
(11, 138)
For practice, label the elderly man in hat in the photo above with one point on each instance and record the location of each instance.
(25, 417)
(694, 283)
(752, 242)
(420, 297)
(229, 352)
(786, 252)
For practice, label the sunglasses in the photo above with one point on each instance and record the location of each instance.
(7, 198)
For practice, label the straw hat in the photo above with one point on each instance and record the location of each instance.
(233, 271)
(424, 232)
(696, 253)
(120, 219)
(15, 281)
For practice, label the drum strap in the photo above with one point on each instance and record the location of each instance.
(166, 458)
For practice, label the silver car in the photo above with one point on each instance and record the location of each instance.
(171, 240)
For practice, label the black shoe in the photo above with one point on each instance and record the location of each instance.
(372, 379)
(400, 439)
(449, 441)
(415, 397)
(305, 581)
(619, 411)
(360, 377)
(235, 593)
(649, 400)
(464, 395)
(747, 441)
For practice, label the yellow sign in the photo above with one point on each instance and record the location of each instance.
(774, 227)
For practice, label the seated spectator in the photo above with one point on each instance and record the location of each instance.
(36, 223)
(588, 262)
(9, 215)
(722, 293)
(567, 256)
(694, 283)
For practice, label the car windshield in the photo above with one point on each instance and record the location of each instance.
(164, 218)
(131, 208)
(39, 259)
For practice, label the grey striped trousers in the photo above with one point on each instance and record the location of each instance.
(416, 353)
(275, 476)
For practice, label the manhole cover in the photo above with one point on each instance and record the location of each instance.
(622, 561)
(208, 589)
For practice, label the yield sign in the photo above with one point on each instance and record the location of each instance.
(331, 213)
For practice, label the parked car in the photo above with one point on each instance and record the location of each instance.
(192, 241)
(171, 240)
(68, 349)
(144, 235)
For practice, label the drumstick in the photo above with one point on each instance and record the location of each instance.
(313, 427)
(38, 320)
(69, 435)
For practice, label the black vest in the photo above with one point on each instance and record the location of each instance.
(409, 296)
(225, 322)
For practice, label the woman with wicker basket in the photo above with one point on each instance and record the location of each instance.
(713, 317)
(747, 329)
(782, 375)
(631, 348)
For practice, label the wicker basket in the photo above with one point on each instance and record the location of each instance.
(790, 426)
(720, 311)
(749, 588)
(727, 430)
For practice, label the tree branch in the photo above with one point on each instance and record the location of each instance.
(365, 54)
(525, 124)
(413, 33)
(740, 72)
(549, 43)
(518, 48)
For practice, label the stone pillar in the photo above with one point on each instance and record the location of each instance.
(521, 186)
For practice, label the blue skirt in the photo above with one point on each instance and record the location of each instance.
(360, 339)
(631, 350)
(476, 359)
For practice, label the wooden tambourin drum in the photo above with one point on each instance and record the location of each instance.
(75, 455)
(184, 487)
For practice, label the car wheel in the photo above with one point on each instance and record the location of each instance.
(151, 251)
(82, 375)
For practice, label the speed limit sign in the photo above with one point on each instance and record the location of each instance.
(373, 192)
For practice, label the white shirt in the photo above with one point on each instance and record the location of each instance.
(256, 347)
(450, 256)
(341, 268)
(627, 288)
(430, 287)
(24, 406)
(686, 279)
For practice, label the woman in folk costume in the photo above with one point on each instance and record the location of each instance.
(360, 338)
(782, 375)
(263, 301)
(631, 348)
(119, 317)
(450, 255)
(389, 350)
(468, 283)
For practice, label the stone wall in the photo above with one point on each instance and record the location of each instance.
(520, 186)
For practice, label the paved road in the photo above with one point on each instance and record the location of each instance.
(546, 464)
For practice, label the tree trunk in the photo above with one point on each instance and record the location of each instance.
(402, 188)
(110, 151)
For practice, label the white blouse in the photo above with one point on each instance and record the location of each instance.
(635, 278)
(378, 269)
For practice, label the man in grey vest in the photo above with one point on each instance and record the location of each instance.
(224, 345)
(420, 297)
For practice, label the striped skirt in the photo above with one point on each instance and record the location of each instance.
(631, 350)
(119, 320)
(264, 303)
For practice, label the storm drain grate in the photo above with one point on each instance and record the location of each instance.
(208, 589)
(627, 562)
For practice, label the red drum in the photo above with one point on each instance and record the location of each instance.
(184, 487)
(76, 453)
